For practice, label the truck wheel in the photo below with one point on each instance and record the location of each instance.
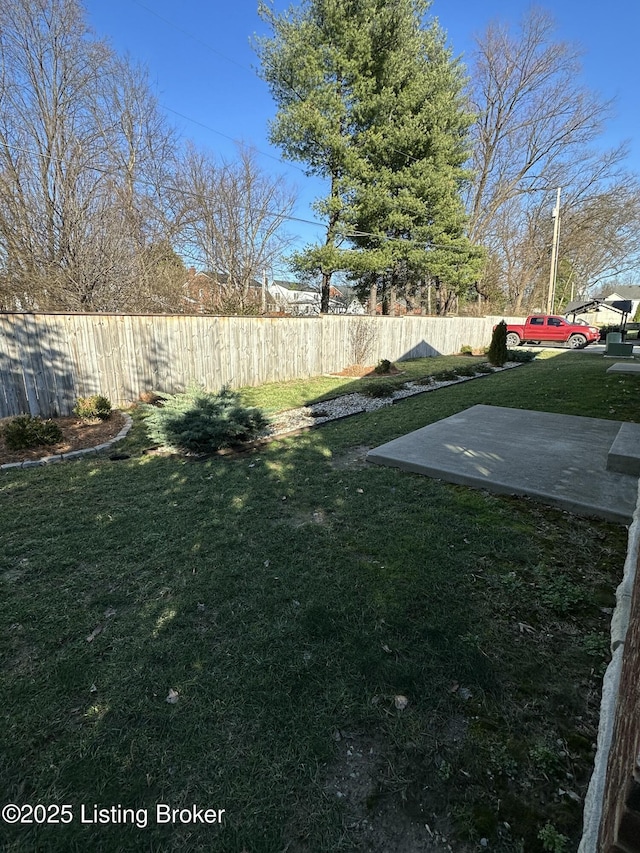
(577, 341)
(513, 340)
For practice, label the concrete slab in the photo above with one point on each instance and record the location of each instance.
(624, 453)
(628, 367)
(558, 459)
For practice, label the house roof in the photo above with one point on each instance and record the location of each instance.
(296, 287)
(624, 291)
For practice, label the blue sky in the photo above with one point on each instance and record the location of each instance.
(203, 68)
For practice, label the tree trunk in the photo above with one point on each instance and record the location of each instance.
(324, 293)
(373, 298)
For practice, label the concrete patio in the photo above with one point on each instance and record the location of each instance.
(588, 466)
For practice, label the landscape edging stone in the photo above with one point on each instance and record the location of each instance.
(73, 454)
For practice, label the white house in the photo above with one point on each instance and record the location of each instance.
(622, 293)
(303, 301)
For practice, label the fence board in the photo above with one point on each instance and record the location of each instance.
(47, 361)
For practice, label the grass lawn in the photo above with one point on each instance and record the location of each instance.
(342, 657)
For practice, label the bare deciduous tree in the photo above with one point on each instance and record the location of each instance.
(83, 156)
(536, 130)
(234, 223)
(45, 134)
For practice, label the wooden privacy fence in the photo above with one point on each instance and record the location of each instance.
(47, 361)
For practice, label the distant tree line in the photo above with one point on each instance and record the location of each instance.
(440, 185)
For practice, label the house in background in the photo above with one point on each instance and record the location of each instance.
(206, 293)
(196, 291)
(210, 293)
(601, 309)
(299, 301)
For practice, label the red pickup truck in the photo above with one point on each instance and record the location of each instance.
(541, 328)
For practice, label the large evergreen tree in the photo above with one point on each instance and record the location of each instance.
(313, 67)
(407, 203)
(369, 98)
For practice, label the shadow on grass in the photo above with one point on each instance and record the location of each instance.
(280, 598)
(560, 381)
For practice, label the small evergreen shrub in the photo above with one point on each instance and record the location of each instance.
(383, 366)
(26, 431)
(202, 421)
(445, 376)
(484, 367)
(380, 388)
(465, 349)
(94, 407)
(498, 352)
(522, 356)
(466, 370)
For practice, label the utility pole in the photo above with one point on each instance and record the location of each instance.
(554, 255)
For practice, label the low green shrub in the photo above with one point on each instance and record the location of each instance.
(484, 367)
(26, 431)
(94, 407)
(465, 349)
(383, 366)
(202, 421)
(465, 370)
(445, 376)
(521, 355)
(379, 388)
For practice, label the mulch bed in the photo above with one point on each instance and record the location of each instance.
(76, 435)
(367, 372)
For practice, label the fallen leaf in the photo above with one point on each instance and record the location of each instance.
(109, 613)
(385, 648)
(94, 634)
(173, 697)
(453, 686)
(93, 689)
(400, 702)
(571, 794)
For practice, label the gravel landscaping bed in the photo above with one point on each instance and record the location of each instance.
(352, 404)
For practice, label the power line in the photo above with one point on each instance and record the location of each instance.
(186, 33)
(231, 138)
(189, 35)
(111, 172)
(227, 59)
(172, 188)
